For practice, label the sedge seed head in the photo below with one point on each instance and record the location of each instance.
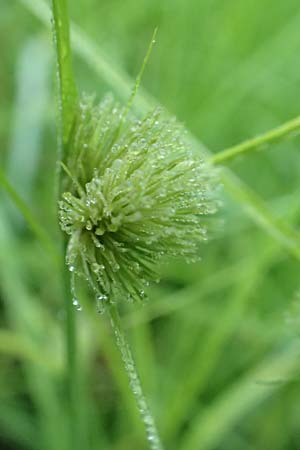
(133, 193)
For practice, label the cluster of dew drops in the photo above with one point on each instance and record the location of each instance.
(101, 299)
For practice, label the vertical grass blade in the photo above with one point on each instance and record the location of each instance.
(134, 381)
(67, 97)
(67, 92)
(32, 222)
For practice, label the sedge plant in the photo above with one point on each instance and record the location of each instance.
(226, 410)
(131, 192)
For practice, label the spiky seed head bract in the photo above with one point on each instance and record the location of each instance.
(133, 194)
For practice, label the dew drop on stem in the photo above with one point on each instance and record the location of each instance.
(134, 382)
(75, 301)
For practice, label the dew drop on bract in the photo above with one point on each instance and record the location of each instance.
(77, 305)
(101, 299)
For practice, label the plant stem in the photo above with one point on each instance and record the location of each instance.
(67, 98)
(71, 362)
(276, 134)
(41, 235)
(67, 92)
(134, 381)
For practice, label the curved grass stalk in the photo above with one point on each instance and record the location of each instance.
(134, 381)
(32, 222)
(288, 129)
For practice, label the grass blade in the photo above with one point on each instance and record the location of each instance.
(67, 93)
(208, 429)
(14, 345)
(67, 98)
(18, 427)
(261, 215)
(32, 222)
(283, 131)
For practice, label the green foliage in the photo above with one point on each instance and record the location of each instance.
(217, 345)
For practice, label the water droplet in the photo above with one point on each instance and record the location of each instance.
(95, 267)
(136, 267)
(100, 303)
(77, 305)
(101, 297)
(115, 267)
(89, 225)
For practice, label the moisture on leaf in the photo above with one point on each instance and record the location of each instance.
(133, 193)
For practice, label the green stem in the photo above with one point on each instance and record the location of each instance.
(67, 98)
(134, 381)
(32, 222)
(71, 363)
(67, 92)
(276, 134)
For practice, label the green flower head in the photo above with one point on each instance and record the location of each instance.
(134, 193)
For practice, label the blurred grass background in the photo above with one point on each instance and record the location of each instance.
(217, 346)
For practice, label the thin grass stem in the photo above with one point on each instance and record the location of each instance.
(32, 222)
(134, 381)
(67, 97)
(71, 362)
(260, 142)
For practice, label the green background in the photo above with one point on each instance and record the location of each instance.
(217, 345)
